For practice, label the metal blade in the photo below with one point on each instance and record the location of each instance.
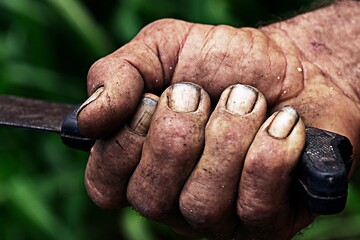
(32, 114)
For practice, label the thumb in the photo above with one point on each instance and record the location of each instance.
(117, 81)
(115, 88)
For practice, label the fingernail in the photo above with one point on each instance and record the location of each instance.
(141, 120)
(184, 97)
(92, 98)
(241, 99)
(283, 123)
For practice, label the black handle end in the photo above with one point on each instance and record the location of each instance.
(70, 133)
(322, 173)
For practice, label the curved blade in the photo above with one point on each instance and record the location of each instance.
(33, 114)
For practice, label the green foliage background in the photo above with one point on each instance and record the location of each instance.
(46, 48)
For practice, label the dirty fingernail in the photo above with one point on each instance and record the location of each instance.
(283, 123)
(184, 97)
(142, 118)
(241, 99)
(92, 98)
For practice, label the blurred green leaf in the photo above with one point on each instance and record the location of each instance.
(211, 12)
(24, 195)
(331, 228)
(126, 23)
(49, 82)
(31, 10)
(80, 19)
(135, 227)
(13, 43)
(324, 226)
(353, 204)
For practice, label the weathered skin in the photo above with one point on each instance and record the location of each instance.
(171, 150)
(310, 62)
(113, 160)
(217, 173)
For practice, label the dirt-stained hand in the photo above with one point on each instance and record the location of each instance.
(225, 174)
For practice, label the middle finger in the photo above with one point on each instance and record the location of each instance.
(208, 198)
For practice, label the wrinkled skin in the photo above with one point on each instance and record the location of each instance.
(225, 174)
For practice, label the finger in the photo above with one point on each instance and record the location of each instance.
(115, 89)
(117, 81)
(208, 199)
(263, 197)
(173, 146)
(113, 160)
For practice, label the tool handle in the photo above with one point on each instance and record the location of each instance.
(322, 172)
(70, 133)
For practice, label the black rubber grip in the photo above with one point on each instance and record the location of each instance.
(70, 133)
(322, 173)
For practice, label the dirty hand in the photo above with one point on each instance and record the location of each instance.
(224, 174)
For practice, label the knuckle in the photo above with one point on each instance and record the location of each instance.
(197, 213)
(151, 208)
(97, 68)
(255, 213)
(177, 137)
(98, 196)
(102, 183)
(161, 24)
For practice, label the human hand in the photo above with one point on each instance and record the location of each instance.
(168, 52)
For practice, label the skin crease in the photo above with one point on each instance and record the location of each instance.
(309, 62)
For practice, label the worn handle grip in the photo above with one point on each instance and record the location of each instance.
(322, 172)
